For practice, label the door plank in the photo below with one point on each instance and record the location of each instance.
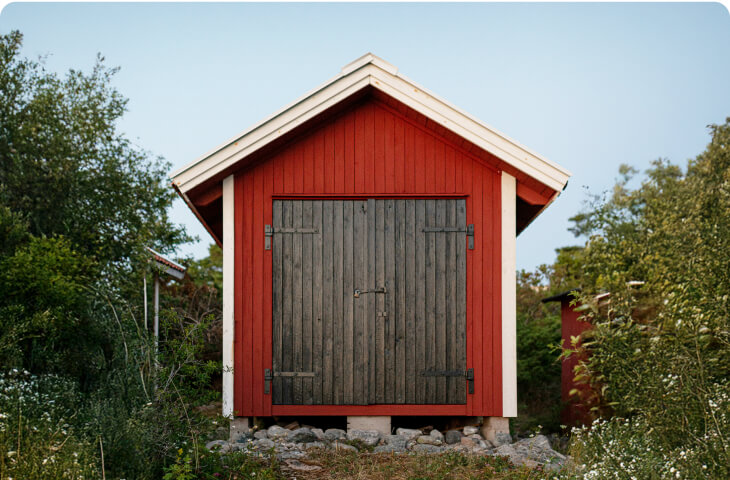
(400, 316)
(410, 302)
(297, 301)
(307, 294)
(348, 343)
(317, 333)
(337, 301)
(327, 300)
(460, 390)
(287, 325)
(277, 318)
(388, 301)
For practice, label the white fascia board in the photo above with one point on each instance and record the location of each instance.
(371, 70)
(282, 122)
(369, 58)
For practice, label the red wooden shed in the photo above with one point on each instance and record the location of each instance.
(574, 413)
(368, 233)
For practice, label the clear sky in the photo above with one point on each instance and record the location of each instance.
(589, 86)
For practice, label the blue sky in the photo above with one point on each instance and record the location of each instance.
(589, 86)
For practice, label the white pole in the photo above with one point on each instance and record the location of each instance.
(157, 313)
(144, 286)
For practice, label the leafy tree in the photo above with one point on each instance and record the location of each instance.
(67, 170)
(78, 204)
(660, 350)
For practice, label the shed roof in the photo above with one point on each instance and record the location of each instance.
(368, 72)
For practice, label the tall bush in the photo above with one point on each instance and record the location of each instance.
(660, 350)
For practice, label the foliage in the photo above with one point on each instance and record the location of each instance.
(451, 465)
(78, 204)
(66, 169)
(37, 436)
(660, 351)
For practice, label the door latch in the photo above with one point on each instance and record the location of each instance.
(359, 292)
(268, 377)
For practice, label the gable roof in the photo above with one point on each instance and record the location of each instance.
(369, 71)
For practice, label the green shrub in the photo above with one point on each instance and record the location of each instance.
(38, 437)
(658, 355)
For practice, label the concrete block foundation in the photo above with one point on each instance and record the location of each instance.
(495, 430)
(239, 426)
(378, 423)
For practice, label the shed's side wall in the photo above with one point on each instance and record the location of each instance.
(370, 150)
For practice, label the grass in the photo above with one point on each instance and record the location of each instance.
(366, 466)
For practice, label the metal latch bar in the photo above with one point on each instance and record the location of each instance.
(469, 232)
(269, 232)
(270, 374)
(359, 292)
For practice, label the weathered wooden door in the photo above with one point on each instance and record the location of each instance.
(369, 302)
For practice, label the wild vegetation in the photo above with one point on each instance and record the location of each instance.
(83, 393)
(659, 348)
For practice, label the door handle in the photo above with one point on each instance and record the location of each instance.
(359, 292)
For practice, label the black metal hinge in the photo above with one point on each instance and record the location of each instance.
(269, 232)
(469, 232)
(468, 374)
(270, 374)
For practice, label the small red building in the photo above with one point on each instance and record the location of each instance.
(368, 233)
(573, 413)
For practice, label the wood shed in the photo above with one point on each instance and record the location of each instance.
(368, 233)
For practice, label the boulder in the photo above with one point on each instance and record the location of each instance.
(294, 464)
(470, 431)
(319, 434)
(437, 435)
(285, 455)
(469, 442)
(428, 440)
(501, 438)
(368, 437)
(275, 432)
(452, 436)
(264, 444)
(427, 448)
(338, 445)
(333, 434)
(409, 433)
(538, 449)
(261, 434)
(311, 445)
(531, 452)
(217, 445)
(301, 435)
(396, 441)
(390, 448)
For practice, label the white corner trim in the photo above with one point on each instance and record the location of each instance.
(370, 70)
(509, 295)
(228, 294)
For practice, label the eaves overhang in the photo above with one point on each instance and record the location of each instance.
(369, 71)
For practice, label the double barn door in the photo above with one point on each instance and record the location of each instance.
(369, 302)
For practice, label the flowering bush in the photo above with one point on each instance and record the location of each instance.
(37, 439)
(658, 355)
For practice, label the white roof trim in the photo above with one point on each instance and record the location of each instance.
(370, 70)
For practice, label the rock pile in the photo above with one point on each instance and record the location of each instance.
(291, 444)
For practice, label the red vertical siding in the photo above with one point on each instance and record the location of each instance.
(370, 150)
(573, 413)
